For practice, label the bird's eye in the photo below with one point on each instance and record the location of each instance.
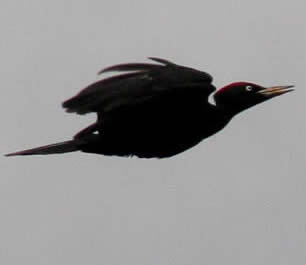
(248, 88)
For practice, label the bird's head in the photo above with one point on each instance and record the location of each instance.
(239, 96)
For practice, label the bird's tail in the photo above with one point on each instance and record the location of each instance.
(58, 148)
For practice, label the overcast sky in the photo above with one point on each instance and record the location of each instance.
(239, 197)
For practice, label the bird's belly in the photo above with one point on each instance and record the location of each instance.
(175, 141)
(157, 138)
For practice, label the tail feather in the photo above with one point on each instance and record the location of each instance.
(58, 148)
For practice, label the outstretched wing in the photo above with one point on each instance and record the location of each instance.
(143, 83)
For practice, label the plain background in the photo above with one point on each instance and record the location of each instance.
(237, 198)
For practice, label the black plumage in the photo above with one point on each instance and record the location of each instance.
(154, 110)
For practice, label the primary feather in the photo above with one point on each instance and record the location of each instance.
(145, 82)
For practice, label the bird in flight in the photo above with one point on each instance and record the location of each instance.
(154, 110)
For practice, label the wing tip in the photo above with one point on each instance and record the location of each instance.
(10, 154)
(57, 148)
(124, 67)
(161, 60)
(20, 153)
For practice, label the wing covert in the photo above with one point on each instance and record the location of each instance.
(142, 83)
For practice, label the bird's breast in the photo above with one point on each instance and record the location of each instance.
(158, 132)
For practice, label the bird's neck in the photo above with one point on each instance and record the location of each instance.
(228, 111)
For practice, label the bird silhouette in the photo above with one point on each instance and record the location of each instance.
(154, 110)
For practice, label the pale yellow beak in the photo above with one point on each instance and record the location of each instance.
(275, 91)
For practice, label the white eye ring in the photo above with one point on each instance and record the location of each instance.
(248, 88)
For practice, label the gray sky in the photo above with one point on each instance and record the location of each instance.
(237, 198)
